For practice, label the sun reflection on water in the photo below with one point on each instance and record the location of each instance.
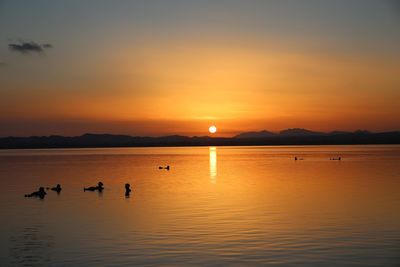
(213, 164)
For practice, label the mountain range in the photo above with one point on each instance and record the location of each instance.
(293, 136)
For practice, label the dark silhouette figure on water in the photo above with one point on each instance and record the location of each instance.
(40, 193)
(57, 188)
(339, 158)
(127, 190)
(166, 167)
(99, 187)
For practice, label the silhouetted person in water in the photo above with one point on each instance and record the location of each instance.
(127, 190)
(167, 167)
(295, 158)
(99, 187)
(57, 188)
(40, 193)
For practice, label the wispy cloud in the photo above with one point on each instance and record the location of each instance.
(29, 47)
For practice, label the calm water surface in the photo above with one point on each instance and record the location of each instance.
(234, 206)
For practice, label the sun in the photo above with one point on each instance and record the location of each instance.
(212, 129)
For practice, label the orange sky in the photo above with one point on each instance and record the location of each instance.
(185, 82)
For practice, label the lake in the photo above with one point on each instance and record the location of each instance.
(233, 206)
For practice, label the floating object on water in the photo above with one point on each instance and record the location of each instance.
(40, 193)
(99, 187)
(166, 167)
(127, 190)
(57, 188)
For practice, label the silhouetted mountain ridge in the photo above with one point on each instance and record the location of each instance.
(259, 134)
(294, 136)
(295, 132)
(298, 132)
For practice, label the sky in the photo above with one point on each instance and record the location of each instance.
(161, 67)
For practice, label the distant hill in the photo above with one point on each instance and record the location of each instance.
(259, 134)
(286, 132)
(285, 137)
(339, 132)
(295, 132)
(298, 132)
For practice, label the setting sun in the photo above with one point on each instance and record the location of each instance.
(212, 129)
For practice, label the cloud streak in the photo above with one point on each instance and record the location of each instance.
(29, 47)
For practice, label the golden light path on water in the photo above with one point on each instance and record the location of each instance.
(213, 164)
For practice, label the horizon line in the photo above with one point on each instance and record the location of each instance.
(210, 136)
